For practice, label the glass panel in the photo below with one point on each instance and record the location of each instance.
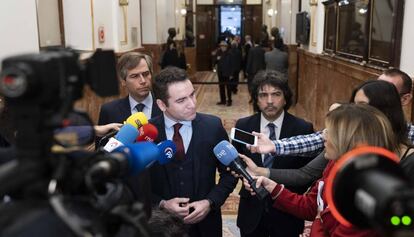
(353, 20)
(382, 29)
(330, 24)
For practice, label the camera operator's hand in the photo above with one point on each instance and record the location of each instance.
(101, 130)
(178, 206)
(264, 144)
(267, 183)
(201, 209)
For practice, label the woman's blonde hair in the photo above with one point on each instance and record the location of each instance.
(351, 125)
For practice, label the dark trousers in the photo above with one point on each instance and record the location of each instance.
(235, 81)
(267, 227)
(224, 86)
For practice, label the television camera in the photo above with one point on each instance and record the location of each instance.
(44, 186)
(368, 188)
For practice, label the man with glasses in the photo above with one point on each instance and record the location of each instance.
(135, 73)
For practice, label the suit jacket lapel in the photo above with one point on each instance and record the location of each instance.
(191, 152)
(159, 123)
(256, 127)
(125, 107)
(286, 128)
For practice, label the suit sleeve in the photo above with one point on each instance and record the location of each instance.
(303, 176)
(226, 182)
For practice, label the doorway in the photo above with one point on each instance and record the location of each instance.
(230, 20)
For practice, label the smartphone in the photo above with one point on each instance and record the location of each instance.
(243, 137)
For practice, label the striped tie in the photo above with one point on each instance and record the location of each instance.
(268, 159)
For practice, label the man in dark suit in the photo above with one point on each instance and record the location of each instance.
(255, 63)
(186, 186)
(271, 98)
(135, 73)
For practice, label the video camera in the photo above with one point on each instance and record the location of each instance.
(45, 192)
(367, 188)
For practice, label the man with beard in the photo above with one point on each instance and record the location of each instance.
(271, 97)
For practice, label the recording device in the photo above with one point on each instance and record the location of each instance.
(367, 188)
(40, 90)
(243, 137)
(147, 132)
(126, 135)
(227, 154)
(136, 119)
(167, 149)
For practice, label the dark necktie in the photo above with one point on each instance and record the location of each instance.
(139, 107)
(178, 140)
(268, 159)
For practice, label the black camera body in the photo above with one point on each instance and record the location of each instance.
(38, 184)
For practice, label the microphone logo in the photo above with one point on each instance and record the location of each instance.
(221, 154)
(169, 153)
(138, 123)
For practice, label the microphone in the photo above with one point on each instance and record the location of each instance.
(147, 132)
(125, 160)
(167, 149)
(137, 120)
(227, 154)
(126, 135)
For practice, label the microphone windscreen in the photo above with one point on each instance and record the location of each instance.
(127, 134)
(167, 149)
(137, 120)
(225, 152)
(139, 155)
(148, 133)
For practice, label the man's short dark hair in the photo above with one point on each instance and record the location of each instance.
(163, 223)
(167, 76)
(407, 81)
(129, 61)
(272, 78)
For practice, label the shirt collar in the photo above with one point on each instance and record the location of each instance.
(169, 123)
(278, 122)
(147, 101)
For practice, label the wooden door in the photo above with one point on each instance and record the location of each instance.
(206, 26)
(252, 20)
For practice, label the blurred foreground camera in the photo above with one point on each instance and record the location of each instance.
(43, 181)
(367, 188)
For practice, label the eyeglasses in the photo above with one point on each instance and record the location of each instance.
(144, 75)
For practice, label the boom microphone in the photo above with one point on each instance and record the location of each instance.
(227, 154)
(126, 135)
(147, 132)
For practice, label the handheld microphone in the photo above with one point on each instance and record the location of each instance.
(167, 149)
(126, 135)
(137, 120)
(147, 132)
(227, 154)
(125, 160)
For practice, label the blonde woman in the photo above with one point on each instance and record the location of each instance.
(346, 127)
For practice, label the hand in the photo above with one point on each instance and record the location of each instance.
(101, 130)
(177, 206)
(267, 183)
(334, 106)
(201, 209)
(264, 144)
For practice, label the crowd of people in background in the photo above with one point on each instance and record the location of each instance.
(288, 159)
